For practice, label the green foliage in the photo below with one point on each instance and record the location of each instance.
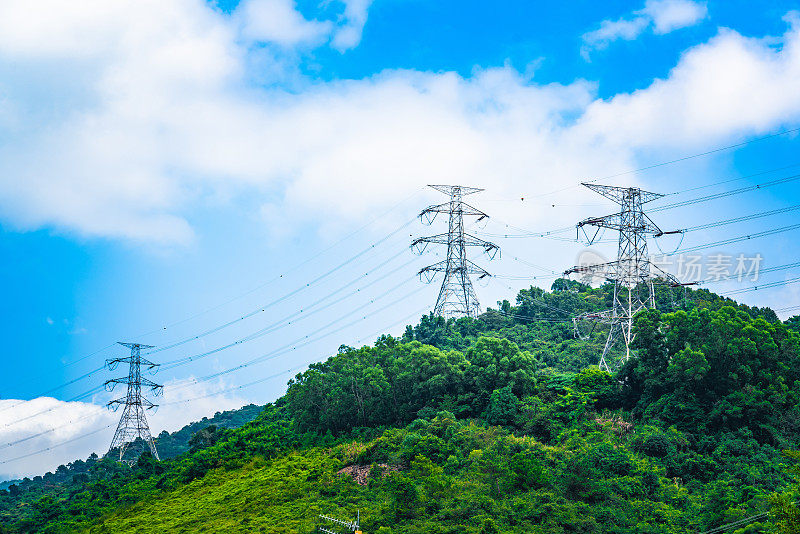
(785, 507)
(497, 424)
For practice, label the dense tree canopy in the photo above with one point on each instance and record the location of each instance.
(498, 424)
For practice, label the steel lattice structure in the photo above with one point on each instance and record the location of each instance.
(353, 526)
(133, 430)
(457, 297)
(633, 274)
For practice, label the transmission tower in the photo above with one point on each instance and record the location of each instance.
(457, 296)
(133, 433)
(633, 274)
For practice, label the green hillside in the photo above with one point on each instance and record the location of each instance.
(497, 424)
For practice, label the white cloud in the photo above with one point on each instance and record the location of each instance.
(612, 30)
(73, 430)
(278, 21)
(730, 86)
(348, 35)
(60, 422)
(670, 15)
(663, 15)
(157, 117)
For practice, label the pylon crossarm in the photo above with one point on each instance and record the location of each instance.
(471, 268)
(436, 267)
(605, 270)
(601, 316)
(616, 193)
(157, 389)
(667, 277)
(112, 363)
(440, 239)
(421, 243)
(135, 346)
(466, 209)
(489, 248)
(109, 385)
(149, 364)
(428, 215)
(115, 404)
(448, 189)
(616, 221)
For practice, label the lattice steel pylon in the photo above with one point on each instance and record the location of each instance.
(133, 429)
(633, 274)
(457, 297)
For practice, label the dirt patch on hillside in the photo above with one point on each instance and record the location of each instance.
(360, 473)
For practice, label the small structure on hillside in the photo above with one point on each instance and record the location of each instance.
(351, 527)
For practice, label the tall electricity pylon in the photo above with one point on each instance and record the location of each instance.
(457, 296)
(632, 273)
(133, 429)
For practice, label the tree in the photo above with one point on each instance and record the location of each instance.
(784, 506)
(503, 407)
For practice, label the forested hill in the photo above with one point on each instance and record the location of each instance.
(497, 424)
(169, 445)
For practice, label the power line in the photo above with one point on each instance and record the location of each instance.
(295, 368)
(742, 218)
(56, 388)
(760, 271)
(250, 314)
(533, 319)
(677, 160)
(173, 403)
(96, 370)
(294, 268)
(278, 325)
(285, 296)
(293, 345)
(737, 239)
(82, 396)
(552, 234)
(729, 180)
(700, 154)
(740, 523)
(285, 321)
(724, 194)
(60, 444)
(763, 286)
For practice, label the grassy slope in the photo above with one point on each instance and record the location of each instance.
(286, 495)
(270, 497)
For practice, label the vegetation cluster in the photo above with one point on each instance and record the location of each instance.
(502, 423)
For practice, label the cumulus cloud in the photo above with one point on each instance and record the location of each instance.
(663, 16)
(731, 85)
(278, 21)
(52, 432)
(154, 117)
(41, 423)
(348, 35)
(669, 15)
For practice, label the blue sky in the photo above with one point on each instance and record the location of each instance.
(158, 162)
